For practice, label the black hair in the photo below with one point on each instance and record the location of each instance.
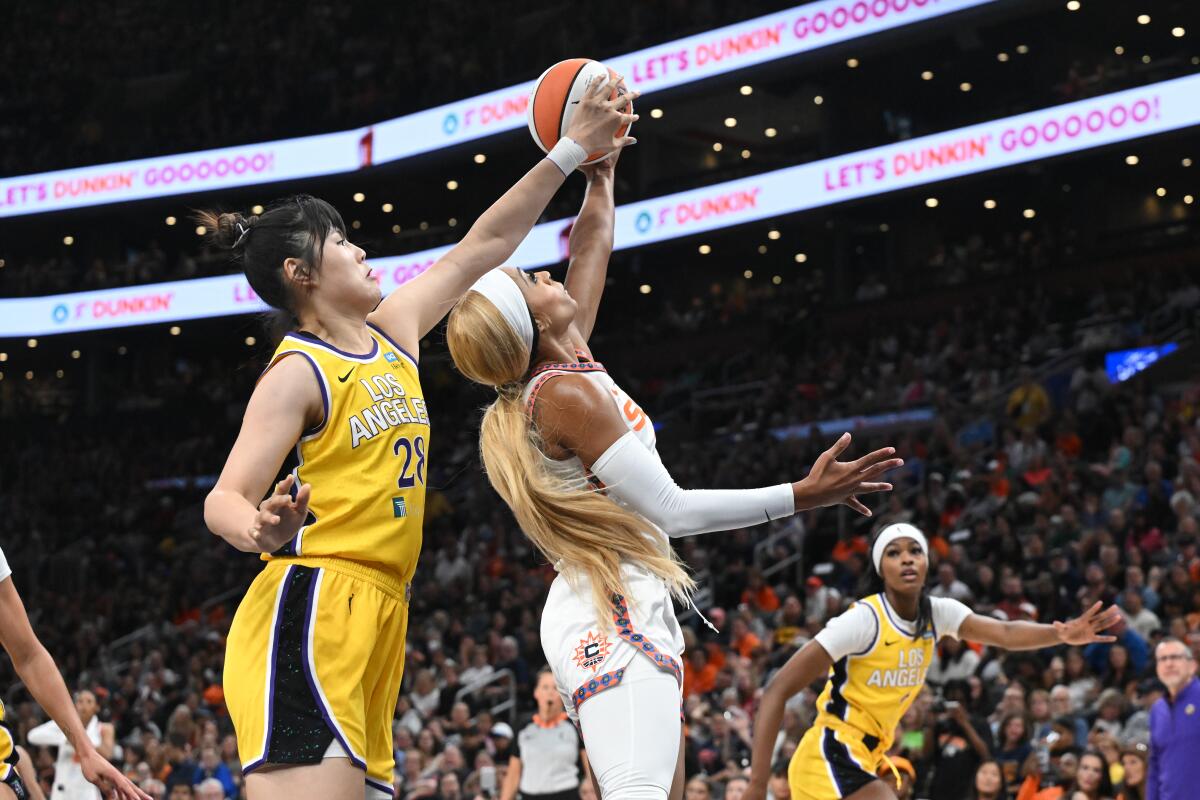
(1106, 788)
(873, 584)
(291, 227)
(1003, 783)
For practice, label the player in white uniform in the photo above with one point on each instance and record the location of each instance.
(560, 430)
(41, 676)
(69, 781)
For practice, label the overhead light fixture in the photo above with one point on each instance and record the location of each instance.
(395, 229)
(1146, 59)
(1178, 32)
(1161, 191)
(776, 280)
(1072, 5)
(32, 344)
(773, 235)
(1002, 56)
(931, 202)
(770, 133)
(644, 288)
(1119, 50)
(359, 197)
(746, 90)
(256, 209)
(927, 75)
(1029, 213)
(1143, 19)
(480, 158)
(175, 330)
(1132, 160)
(852, 63)
(989, 204)
(387, 208)
(170, 220)
(818, 100)
(68, 240)
(452, 185)
(745, 154)
(965, 86)
(748, 274)
(731, 122)
(251, 341)
(1023, 49)
(1188, 199)
(75, 354)
(1187, 162)
(884, 227)
(704, 249)
(762, 249)
(201, 230)
(800, 258)
(716, 147)
(356, 224)
(656, 113)
(452, 222)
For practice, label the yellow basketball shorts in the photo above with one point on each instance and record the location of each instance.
(316, 653)
(831, 764)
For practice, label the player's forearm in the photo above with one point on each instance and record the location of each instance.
(499, 230)
(1028, 636)
(766, 730)
(43, 680)
(592, 233)
(231, 516)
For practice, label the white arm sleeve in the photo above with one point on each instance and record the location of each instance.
(850, 633)
(48, 734)
(636, 477)
(5, 569)
(948, 614)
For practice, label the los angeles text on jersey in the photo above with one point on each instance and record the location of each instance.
(389, 408)
(910, 671)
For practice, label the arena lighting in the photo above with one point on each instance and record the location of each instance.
(1178, 32)
(387, 208)
(201, 230)
(453, 184)
(256, 209)
(1074, 127)
(1002, 57)
(927, 75)
(656, 113)
(359, 197)
(1161, 191)
(745, 154)
(762, 249)
(965, 86)
(748, 274)
(1073, 5)
(731, 122)
(931, 202)
(852, 63)
(773, 234)
(1119, 50)
(704, 249)
(644, 288)
(1187, 162)
(170, 220)
(717, 147)
(1131, 160)
(746, 90)
(989, 204)
(1023, 49)
(68, 240)
(776, 280)
(770, 133)
(1143, 19)
(481, 158)
(801, 29)
(800, 258)
(1029, 213)
(1188, 199)
(818, 100)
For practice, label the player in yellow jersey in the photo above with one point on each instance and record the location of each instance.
(876, 655)
(316, 650)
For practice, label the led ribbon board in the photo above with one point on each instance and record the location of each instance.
(743, 44)
(1056, 131)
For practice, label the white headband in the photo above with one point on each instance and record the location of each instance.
(891, 533)
(502, 291)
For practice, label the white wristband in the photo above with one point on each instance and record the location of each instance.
(567, 155)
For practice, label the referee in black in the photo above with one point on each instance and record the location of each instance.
(549, 756)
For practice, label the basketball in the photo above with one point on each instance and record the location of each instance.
(555, 95)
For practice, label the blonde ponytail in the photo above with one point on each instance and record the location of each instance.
(584, 529)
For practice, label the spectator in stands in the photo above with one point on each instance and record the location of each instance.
(1174, 724)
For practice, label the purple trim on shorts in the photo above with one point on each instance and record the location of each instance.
(246, 770)
(271, 665)
(310, 672)
(392, 342)
(383, 787)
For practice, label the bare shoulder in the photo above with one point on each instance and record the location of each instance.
(575, 414)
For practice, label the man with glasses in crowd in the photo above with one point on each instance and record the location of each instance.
(1175, 725)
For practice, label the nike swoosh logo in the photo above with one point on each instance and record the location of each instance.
(889, 644)
(342, 378)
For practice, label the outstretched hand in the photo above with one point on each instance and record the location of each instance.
(605, 167)
(832, 482)
(112, 784)
(598, 117)
(280, 516)
(1086, 628)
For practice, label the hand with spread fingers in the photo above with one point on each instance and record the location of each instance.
(1086, 628)
(280, 516)
(597, 118)
(111, 782)
(832, 482)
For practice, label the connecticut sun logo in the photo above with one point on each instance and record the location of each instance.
(591, 651)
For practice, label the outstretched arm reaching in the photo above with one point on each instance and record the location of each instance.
(591, 246)
(1084, 629)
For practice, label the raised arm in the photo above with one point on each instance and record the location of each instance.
(413, 309)
(810, 663)
(1082, 630)
(591, 245)
(577, 415)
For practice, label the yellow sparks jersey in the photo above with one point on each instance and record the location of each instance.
(366, 461)
(871, 690)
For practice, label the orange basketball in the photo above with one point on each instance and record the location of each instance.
(556, 94)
